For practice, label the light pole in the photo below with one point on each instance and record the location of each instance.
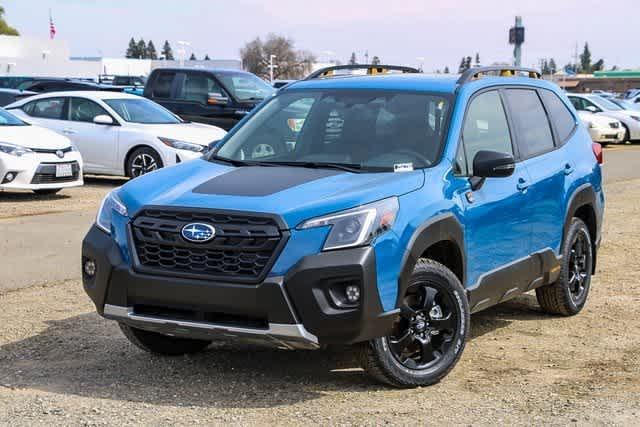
(183, 51)
(271, 67)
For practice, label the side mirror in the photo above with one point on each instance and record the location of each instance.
(491, 164)
(592, 109)
(217, 99)
(103, 119)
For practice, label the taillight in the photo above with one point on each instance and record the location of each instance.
(597, 151)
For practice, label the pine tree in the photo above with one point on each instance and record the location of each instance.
(192, 57)
(375, 61)
(544, 68)
(141, 49)
(446, 70)
(585, 60)
(598, 66)
(167, 52)
(461, 67)
(553, 68)
(132, 49)
(477, 63)
(353, 60)
(151, 51)
(206, 57)
(467, 63)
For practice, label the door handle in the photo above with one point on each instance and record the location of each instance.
(568, 169)
(522, 184)
(68, 131)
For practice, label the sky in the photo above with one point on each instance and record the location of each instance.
(398, 31)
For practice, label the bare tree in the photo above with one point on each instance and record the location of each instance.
(291, 63)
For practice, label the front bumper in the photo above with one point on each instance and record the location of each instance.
(298, 310)
(29, 167)
(607, 135)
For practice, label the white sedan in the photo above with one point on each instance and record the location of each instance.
(118, 133)
(603, 107)
(33, 158)
(603, 130)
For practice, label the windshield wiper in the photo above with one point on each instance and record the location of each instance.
(236, 162)
(347, 167)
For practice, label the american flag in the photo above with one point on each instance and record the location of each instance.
(52, 28)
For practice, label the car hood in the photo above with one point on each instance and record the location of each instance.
(197, 133)
(33, 137)
(294, 193)
(596, 119)
(620, 115)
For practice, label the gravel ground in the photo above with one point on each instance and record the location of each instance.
(62, 364)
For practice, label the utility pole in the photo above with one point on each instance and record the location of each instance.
(271, 67)
(516, 38)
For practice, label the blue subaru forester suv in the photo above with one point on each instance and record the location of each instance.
(379, 211)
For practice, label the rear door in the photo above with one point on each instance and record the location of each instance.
(546, 164)
(161, 89)
(97, 143)
(47, 112)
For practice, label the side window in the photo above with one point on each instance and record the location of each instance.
(50, 108)
(559, 114)
(486, 127)
(577, 103)
(162, 84)
(84, 110)
(531, 123)
(197, 87)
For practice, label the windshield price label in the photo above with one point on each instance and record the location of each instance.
(403, 167)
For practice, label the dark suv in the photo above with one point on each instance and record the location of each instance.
(216, 97)
(378, 211)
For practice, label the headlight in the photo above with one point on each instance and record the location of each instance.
(636, 118)
(110, 204)
(358, 226)
(181, 145)
(14, 150)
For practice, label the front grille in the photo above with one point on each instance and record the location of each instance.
(243, 249)
(51, 150)
(614, 125)
(46, 174)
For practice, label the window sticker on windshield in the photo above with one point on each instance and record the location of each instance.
(295, 124)
(403, 167)
(482, 124)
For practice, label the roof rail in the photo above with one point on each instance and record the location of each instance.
(500, 71)
(371, 70)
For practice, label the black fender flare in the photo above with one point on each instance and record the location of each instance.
(583, 195)
(444, 227)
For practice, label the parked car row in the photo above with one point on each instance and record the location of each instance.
(607, 119)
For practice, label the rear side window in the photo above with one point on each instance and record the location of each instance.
(485, 127)
(162, 85)
(50, 108)
(530, 120)
(559, 114)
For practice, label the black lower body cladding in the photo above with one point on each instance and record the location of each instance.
(306, 296)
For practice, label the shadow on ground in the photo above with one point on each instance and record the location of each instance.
(87, 356)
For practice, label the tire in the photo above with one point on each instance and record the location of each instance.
(380, 358)
(47, 191)
(568, 295)
(627, 134)
(142, 161)
(164, 345)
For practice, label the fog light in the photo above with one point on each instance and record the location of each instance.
(9, 177)
(352, 293)
(90, 268)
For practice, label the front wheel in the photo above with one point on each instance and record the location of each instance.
(142, 161)
(165, 345)
(430, 335)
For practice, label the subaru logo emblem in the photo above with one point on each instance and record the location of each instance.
(198, 232)
(60, 153)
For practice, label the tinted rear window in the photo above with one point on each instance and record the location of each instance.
(162, 85)
(559, 114)
(530, 119)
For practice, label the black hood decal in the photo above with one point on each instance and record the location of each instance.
(261, 180)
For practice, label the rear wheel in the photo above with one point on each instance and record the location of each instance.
(47, 191)
(142, 161)
(430, 334)
(568, 295)
(165, 345)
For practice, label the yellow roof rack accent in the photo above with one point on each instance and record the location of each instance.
(370, 70)
(500, 71)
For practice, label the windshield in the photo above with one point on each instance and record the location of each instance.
(605, 104)
(360, 129)
(626, 105)
(141, 111)
(8, 119)
(245, 87)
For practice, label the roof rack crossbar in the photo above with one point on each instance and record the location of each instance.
(499, 70)
(371, 70)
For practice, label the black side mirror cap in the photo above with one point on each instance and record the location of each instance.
(491, 164)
